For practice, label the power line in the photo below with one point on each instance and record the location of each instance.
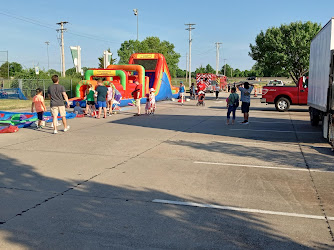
(48, 26)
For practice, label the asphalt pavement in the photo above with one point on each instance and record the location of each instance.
(179, 179)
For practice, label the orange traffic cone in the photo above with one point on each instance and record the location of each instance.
(255, 95)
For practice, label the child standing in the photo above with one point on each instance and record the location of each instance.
(148, 105)
(152, 101)
(110, 99)
(38, 103)
(90, 106)
(232, 104)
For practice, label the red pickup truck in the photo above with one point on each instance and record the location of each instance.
(284, 96)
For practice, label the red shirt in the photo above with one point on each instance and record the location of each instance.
(38, 101)
(135, 92)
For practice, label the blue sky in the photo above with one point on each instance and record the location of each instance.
(234, 23)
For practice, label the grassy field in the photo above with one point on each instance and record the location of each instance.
(12, 104)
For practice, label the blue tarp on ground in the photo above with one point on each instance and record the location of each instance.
(14, 93)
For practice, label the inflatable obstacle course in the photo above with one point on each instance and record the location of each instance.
(149, 69)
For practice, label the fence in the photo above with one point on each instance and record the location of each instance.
(29, 86)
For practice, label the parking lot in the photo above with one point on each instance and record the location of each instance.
(179, 179)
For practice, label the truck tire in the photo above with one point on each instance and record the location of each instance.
(314, 117)
(282, 104)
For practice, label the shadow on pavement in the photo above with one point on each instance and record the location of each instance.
(86, 214)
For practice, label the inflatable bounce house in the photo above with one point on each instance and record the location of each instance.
(149, 69)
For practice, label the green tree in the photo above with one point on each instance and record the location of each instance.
(285, 49)
(237, 73)
(14, 68)
(209, 69)
(150, 45)
(112, 61)
(228, 71)
(201, 69)
(180, 73)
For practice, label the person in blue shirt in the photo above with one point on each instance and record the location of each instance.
(246, 91)
(182, 92)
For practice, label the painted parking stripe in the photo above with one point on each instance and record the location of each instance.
(264, 167)
(292, 144)
(277, 131)
(261, 143)
(247, 210)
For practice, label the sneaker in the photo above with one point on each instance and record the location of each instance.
(55, 132)
(246, 123)
(67, 128)
(243, 122)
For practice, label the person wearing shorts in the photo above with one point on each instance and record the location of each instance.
(110, 98)
(38, 103)
(90, 106)
(102, 92)
(57, 94)
(136, 96)
(245, 99)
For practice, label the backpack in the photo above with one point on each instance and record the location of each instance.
(236, 101)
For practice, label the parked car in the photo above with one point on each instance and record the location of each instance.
(284, 96)
(275, 83)
(251, 78)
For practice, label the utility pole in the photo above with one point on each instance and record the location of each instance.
(186, 67)
(190, 28)
(47, 52)
(217, 56)
(225, 67)
(62, 47)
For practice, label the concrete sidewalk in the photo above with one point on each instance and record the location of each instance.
(179, 179)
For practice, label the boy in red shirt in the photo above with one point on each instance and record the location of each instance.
(38, 102)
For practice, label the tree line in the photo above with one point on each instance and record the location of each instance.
(278, 51)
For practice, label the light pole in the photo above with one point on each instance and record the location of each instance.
(47, 52)
(190, 28)
(135, 12)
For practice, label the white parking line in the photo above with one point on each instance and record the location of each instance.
(264, 167)
(276, 131)
(292, 144)
(247, 210)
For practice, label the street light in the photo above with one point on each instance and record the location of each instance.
(135, 12)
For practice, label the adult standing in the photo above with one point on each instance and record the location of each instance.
(245, 99)
(102, 92)
(136, 96)
(182, 92)
(217, 89)
(57, 95)
(192, 91)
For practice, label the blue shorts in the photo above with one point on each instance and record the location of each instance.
(102, 104)
(40, 115)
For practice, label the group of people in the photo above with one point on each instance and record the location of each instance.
(102, 96)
